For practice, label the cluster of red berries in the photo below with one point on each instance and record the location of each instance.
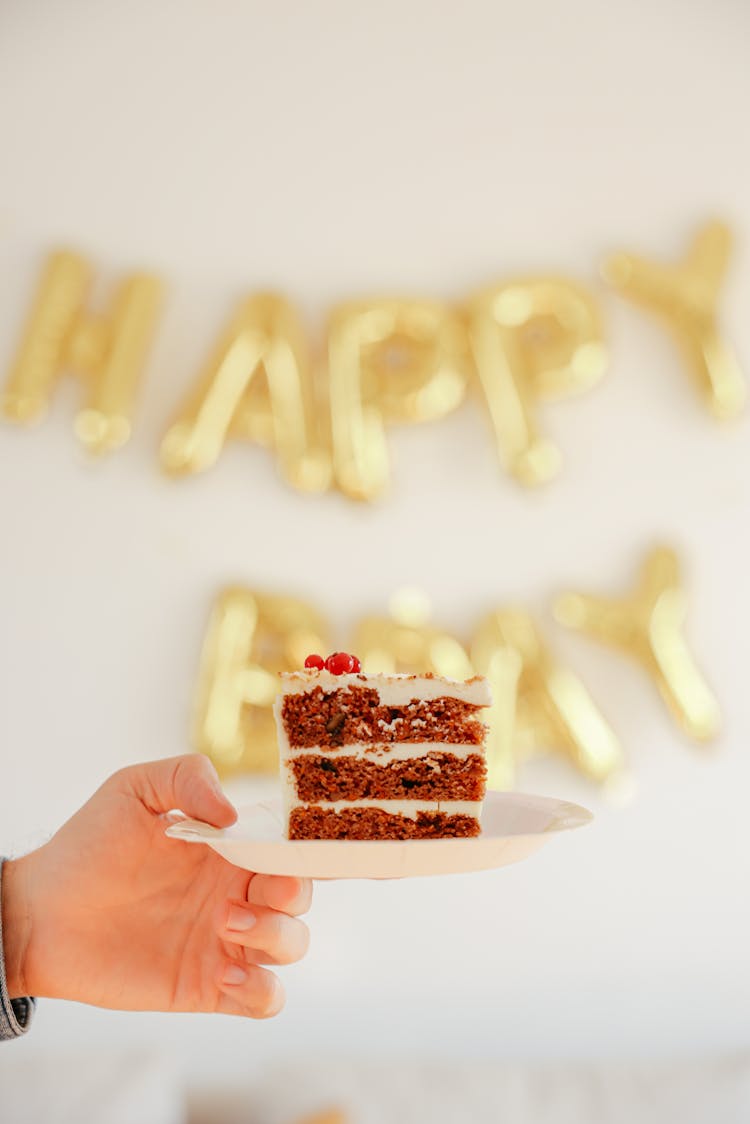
(340, 663)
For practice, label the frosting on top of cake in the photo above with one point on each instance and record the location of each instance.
(393, 690)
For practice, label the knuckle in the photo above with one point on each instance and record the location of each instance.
(202, 764)
(191, 766)
(180, 771)
(122, 777)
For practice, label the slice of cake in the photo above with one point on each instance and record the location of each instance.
(380, 756)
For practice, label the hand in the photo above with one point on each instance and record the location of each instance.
(112, 912)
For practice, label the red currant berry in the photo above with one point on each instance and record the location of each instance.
(340, 663)
(315, 661)
(357, 665)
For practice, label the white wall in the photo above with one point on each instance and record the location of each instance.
(331, 152)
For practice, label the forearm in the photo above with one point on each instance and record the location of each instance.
(15, 924)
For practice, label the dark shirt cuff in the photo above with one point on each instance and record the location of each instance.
(15, 1014)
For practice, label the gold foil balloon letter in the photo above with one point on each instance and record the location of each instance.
(502, 665)
(553, 708)
(388, 360)
(406, 641)
(251, 638)
(533, 340)
(256, 384)
(107, 351)
(648, 625)
(686, 297)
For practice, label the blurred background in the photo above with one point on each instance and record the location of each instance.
(337, 150)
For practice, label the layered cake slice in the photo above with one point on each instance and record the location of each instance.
(380, 756)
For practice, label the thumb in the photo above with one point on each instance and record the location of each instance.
(189, 783)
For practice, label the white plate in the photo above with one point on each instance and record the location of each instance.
(513, 827)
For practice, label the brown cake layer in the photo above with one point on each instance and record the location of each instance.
(373, 823)
(355, 715)
(436, 776)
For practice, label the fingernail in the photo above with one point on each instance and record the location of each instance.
(233, 974)
(240, 920)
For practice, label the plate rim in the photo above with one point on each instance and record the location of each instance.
(572, 816)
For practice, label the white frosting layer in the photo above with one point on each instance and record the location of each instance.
(393, 690)
(407, 808)
(389, 751)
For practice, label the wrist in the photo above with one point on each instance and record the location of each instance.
(17, 926)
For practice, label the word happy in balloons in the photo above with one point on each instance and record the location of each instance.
(517, 343)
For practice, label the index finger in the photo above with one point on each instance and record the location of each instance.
(281, 892)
